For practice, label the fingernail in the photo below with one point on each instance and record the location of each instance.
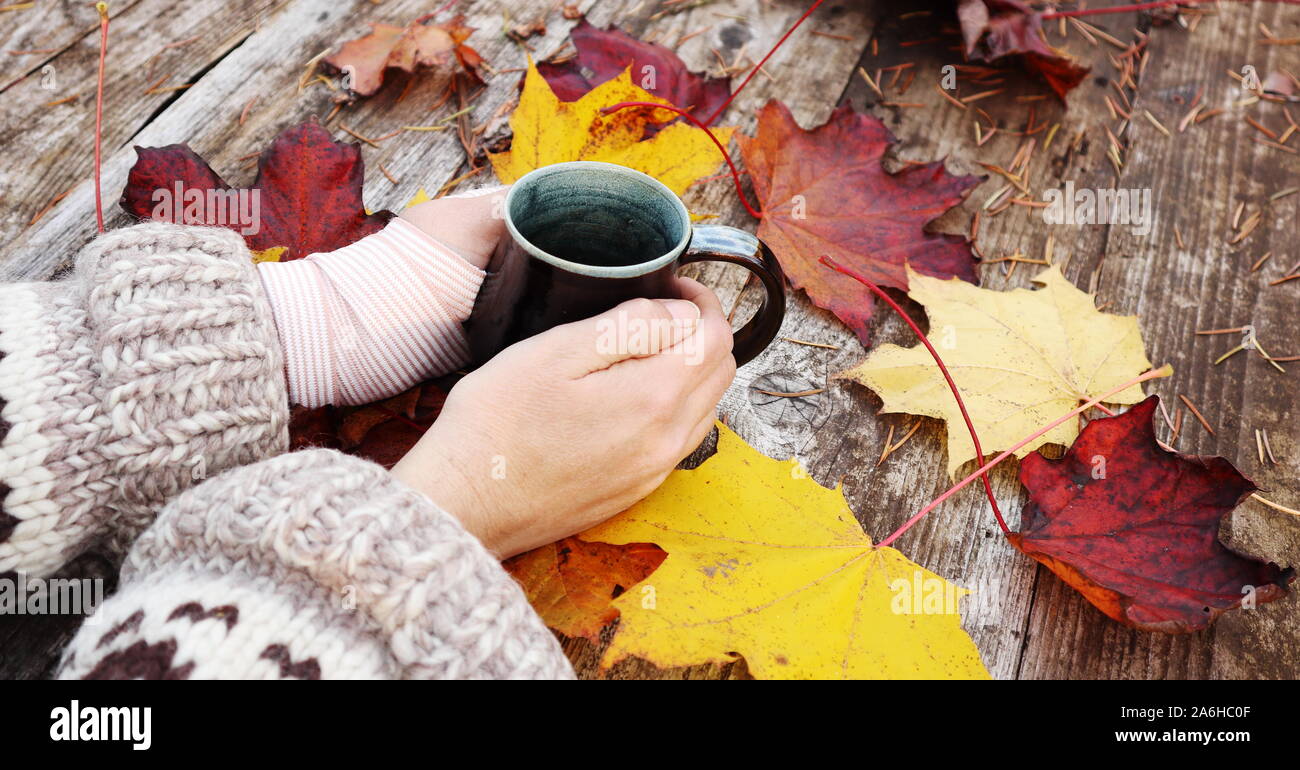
(682, 309)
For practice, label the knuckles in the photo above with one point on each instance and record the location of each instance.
(644, 308)
(715, 339)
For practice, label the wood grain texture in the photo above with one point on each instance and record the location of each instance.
(38, 35)
(1197, 180)
(53, 145)
(1026, 622)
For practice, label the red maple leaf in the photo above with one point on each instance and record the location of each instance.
(382, 432)
(825, 192)
(307, 193)
(1135, 528)
(993, 29)
(605, 53)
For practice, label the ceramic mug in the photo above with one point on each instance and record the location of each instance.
(584, 237)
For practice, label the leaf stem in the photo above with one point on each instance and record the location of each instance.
(735, 175)
(428, 16)
(400, 417)
(99, 112)
(1163, 371)
(988, 488)
(757, 67)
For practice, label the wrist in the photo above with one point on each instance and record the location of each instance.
(435, 470)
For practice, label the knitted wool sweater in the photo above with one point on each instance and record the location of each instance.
(143, 408)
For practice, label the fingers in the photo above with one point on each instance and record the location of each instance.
(636, 329)
(673, 344)
(681, 368)
(701, 295)
(704, 397)
(698, 409)
(680, 396)
(714, 336)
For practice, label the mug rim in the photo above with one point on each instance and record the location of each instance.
(600, 271)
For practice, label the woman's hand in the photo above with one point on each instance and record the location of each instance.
(471, 225)
(563, 430)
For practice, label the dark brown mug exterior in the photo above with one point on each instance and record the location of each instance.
(527, 290)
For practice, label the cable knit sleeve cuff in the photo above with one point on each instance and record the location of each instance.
(371, 319)
(153, 366)
(321, 559)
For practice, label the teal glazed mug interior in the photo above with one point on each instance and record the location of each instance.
(587, 236)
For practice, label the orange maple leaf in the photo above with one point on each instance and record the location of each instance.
(365, 59)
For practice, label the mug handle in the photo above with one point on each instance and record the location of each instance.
(719, 243)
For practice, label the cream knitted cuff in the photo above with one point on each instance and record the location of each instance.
(154, 366)
(313, 564)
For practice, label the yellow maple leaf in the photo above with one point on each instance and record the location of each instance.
(548, 131)
(420, 197)
(1020, 358)
(272, 254)
(765, 562)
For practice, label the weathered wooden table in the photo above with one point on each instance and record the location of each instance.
(245, 57)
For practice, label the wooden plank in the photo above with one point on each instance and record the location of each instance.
(268, 65)
(961, 541)
(1197, 179)
(57, 140)
(1063, 636)
(837, 433)
(811, 92)
(1061, 619)
(1021, 617)
(48, 27)
(30, 645)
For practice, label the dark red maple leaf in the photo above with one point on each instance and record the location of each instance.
(308, 193)
(605, 53)
(993, 29)
(402, 420)
(1135, 528)
(382, 432)
(825, 192)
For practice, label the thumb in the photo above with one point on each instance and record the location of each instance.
(635, 329)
